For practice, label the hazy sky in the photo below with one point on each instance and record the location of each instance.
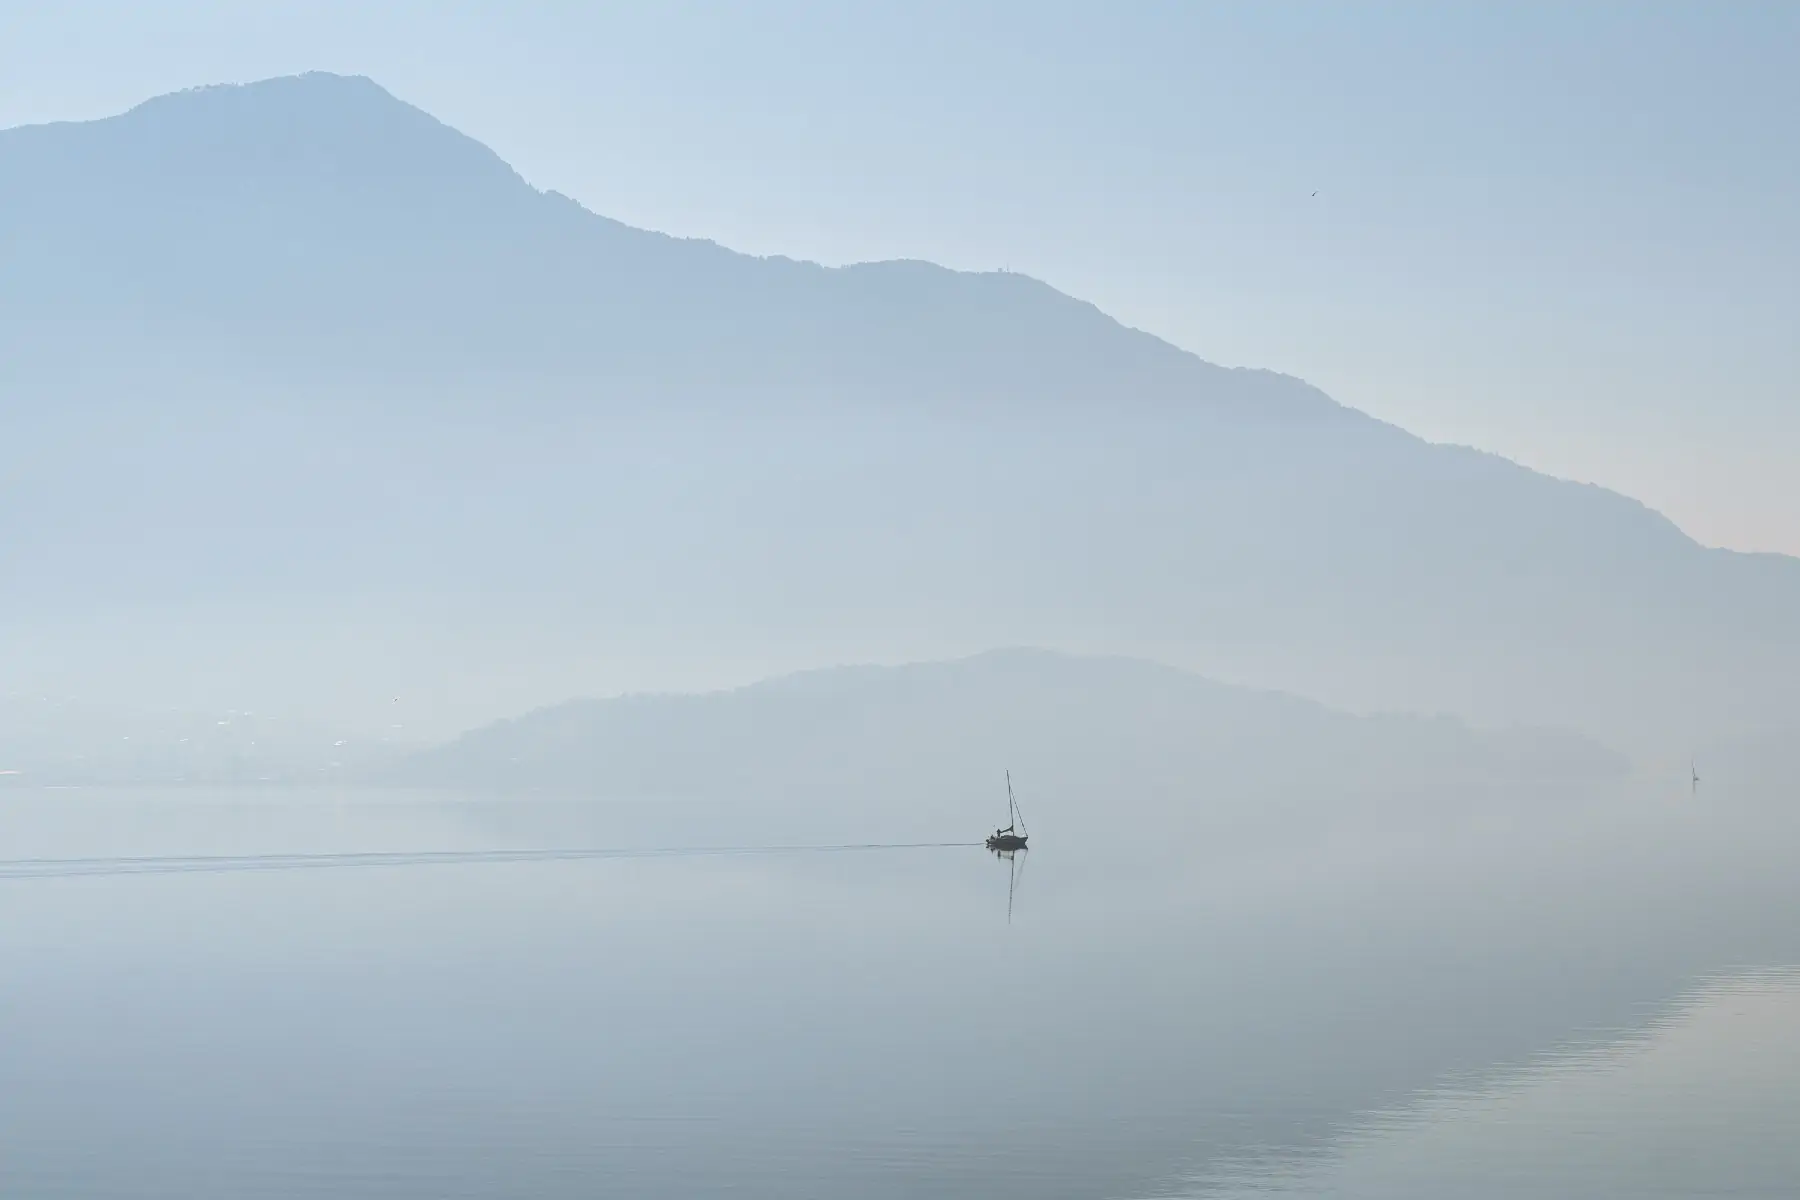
(1567, 233)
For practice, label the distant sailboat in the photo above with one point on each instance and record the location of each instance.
(1013, 835)
(1695, 772)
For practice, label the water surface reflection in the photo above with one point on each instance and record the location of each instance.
(1211, 1017)
(1701, 1103)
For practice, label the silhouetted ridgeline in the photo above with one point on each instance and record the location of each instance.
(1090, 739)
(308, 394)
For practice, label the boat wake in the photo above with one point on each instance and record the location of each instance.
(69, 868)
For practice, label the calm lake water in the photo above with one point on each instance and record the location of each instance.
(1593, 1001)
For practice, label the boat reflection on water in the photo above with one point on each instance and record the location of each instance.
(1015, 871)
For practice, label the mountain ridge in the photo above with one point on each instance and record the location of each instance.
(388, 374)
(1104, 744)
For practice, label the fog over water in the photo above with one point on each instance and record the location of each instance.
(497, 702)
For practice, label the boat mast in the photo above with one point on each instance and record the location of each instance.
(1014, 818)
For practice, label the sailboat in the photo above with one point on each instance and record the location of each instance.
(1013, 836)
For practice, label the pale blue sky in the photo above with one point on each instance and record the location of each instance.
(1567, 233)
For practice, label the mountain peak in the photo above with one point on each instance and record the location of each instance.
(289, 128)
(311, 86)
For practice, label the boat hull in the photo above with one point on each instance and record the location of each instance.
(1006, 841)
